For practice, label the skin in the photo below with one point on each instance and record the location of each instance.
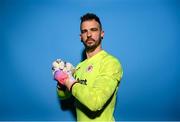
(91, 36)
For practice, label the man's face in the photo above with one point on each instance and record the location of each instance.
(91, 34)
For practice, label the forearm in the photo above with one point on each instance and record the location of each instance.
(62, 92)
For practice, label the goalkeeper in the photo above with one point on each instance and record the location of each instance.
(94, 82)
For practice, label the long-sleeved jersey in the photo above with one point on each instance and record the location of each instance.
(95, 93)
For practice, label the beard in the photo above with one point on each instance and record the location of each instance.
(91, 44)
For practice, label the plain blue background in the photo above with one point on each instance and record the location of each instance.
(142, 34)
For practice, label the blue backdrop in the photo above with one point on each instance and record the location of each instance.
(142, 34)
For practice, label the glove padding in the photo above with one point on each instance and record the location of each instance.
(62, 65)
(60, 76)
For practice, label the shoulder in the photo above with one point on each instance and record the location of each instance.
(110, 59)
(111, 65)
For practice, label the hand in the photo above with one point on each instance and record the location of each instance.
(64, 78)
(63, 73)
(60, 76)
(70, 81)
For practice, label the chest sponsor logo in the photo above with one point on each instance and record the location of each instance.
(82, 81)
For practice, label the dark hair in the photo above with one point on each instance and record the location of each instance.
(90, 16)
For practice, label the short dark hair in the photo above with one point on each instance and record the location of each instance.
(90, 16)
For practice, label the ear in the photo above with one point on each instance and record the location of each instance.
(102, 34)
(80, 36)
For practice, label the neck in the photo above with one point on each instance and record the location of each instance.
(90, 53)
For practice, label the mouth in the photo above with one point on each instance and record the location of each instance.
(90, 40)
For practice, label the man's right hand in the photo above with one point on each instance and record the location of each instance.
(60, 76)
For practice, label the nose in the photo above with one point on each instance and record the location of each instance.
(89, 34)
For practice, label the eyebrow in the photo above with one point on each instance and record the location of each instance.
(92, 29)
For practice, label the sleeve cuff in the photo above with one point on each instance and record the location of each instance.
(72, 86)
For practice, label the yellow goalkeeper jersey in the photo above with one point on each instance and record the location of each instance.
(95, 93)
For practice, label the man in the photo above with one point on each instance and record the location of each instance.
(95, 82)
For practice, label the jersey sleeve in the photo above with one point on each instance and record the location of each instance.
(94, 97)
(63, 93)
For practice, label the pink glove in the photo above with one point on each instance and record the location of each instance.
(61, 76)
